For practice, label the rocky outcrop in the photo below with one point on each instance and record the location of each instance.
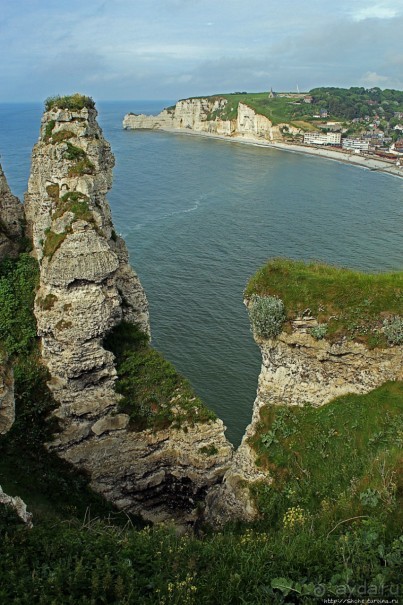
(296, 370)
(7, 406)
(11, 217)
(204, 115)
(86, 288)
(18, 506)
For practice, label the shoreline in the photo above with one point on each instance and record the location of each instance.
(371, 163)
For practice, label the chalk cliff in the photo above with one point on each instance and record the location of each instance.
(296, 370)
(86, 288)
(11, 216)
(204, 115)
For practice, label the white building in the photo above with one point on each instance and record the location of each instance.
(322, 138)
(356, 145)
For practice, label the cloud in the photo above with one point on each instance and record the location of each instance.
(377, 11)
(172, 48)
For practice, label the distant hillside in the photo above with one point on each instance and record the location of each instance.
(339, 103)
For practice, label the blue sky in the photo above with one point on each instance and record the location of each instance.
(170, 49)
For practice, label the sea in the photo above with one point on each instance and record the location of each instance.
(201, 215)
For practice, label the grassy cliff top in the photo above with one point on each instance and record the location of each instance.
(351, 303)
(74, 102)
(341, 104)
(278, 110)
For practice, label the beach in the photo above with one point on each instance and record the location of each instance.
(338, 155)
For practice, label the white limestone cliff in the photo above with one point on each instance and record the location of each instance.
(86, 288)
(202, 115)
(297, 369)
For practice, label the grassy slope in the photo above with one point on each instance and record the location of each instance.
(351, 303)
(155, 395)
(338, 461)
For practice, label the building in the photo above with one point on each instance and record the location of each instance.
(322, 138)
(356, 145)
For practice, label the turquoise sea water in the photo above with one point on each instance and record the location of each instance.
(200, 216)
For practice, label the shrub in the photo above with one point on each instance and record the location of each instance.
(319, 331)
(267, 315)
(393, 329)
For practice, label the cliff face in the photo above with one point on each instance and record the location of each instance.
(203, 116)
(7, 407)
(297, 370)
(11, 230)
(86, 288)
(11, 216)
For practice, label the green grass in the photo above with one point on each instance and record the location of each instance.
(353, 304)
(53, 241)
(155, 395)
(278, 110)
(84, 166)
(74, 202)
(73, 152)
(335, 462)
(74, 102)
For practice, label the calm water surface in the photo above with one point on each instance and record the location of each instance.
(200, 216)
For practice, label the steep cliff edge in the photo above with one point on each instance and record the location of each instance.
(323, 333)
(209, 116)
(11, 231)
(87, 288)
(11, 217)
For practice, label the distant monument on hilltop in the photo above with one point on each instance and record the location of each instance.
(272, 94)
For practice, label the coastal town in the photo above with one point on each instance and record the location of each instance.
(375, 130)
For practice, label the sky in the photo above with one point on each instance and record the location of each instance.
(171, 49)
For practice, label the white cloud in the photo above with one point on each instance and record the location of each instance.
(378, 11)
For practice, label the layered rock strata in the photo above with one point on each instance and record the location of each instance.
(296, 370)
(11, 218)
(86, 288)
(202, 115)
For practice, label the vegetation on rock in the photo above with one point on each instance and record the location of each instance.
(327, 460)
(266, 314)
(74, 102)
(351, 303)
(155, 395)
